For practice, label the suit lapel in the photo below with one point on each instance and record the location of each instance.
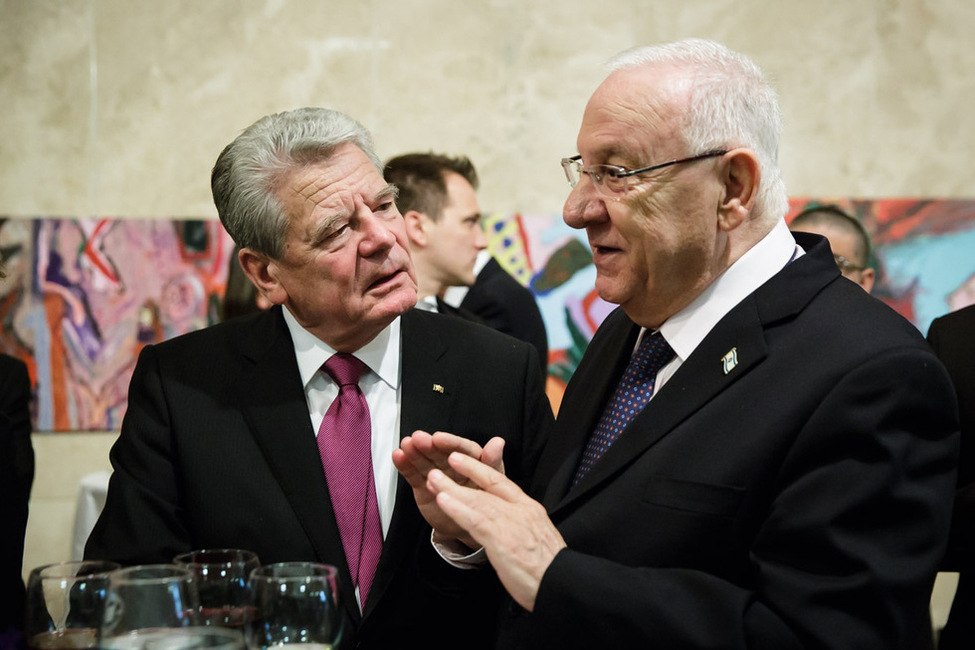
(733, 348)
(582, 405)
(272, 400)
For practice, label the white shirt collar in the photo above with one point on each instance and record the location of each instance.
(428, 303)
(686, 329)
(381, 354)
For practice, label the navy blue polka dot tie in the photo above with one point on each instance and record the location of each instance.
(632, 394)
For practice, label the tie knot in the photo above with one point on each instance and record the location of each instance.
(653, 353)
(344, 368)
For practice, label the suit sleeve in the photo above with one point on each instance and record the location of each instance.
(845, 551)
(141, 521)
(949, 345)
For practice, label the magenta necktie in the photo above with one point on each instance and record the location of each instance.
(632, 394)
(344, 445)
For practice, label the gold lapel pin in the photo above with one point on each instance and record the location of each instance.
(730, 360)
(437, 388)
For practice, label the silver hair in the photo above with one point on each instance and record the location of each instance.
(250, 169)
(731, 105)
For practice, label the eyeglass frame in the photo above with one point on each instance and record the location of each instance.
(847, 266)
(599, 182)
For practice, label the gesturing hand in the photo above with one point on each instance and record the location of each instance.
(421, 453)
(515, 531)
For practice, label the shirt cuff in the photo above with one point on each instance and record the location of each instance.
(458, 555)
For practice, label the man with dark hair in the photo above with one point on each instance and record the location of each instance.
(438, 202)
(847, 237)
(454, 271)
(753, 452)
(274, 432)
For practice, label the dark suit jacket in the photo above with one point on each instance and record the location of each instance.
(217, 450)
(800, 500)
(16, 478)
(508, 307)
(953, 339)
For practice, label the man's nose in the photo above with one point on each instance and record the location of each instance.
(583, 205)
(377, 234)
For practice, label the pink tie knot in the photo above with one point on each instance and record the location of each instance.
(345, 369)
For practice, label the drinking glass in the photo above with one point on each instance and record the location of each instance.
(295, 603)
(65, 604)
(221, 577)
(146, 600)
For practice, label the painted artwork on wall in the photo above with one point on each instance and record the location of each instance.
(84, 295)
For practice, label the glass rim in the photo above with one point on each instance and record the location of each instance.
(311, 571)
(164, 572)
(44, 571)
(232, 555)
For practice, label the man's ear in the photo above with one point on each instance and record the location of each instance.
(263, 272)
(417, 225)
(741, 176)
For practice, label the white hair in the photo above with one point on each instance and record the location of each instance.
(731, 105)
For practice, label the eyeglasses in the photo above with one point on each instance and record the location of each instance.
(613, 180)
(846, 266)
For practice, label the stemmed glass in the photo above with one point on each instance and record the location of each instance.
(295, 603)
(65, 604)
(221, 576)
(157, 606)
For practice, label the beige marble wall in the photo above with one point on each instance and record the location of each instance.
(119, 107)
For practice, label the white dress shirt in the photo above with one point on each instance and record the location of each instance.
(380, 386)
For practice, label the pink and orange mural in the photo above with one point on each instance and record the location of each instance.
(82, 296)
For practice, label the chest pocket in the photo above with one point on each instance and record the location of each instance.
(688, 496)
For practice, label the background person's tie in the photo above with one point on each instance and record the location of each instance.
(632, 394)
(344, 444)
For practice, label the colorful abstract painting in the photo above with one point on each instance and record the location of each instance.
(84, 295)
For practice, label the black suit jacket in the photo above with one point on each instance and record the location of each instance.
(798, 500)
(16, 478)
(508, 307)
(217, 450)
(953, 339)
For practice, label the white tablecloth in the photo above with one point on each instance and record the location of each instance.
(91, 500)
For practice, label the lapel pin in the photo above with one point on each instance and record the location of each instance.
(730, 360)
(437, 388)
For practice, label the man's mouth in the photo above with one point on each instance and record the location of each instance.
(383, 280)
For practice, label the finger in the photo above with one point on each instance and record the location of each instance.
(409, 471)
(445, 443)
(493, 454)
(485, 477)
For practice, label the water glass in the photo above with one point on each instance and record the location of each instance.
(221, 577)
(295, 603)
(66, 603)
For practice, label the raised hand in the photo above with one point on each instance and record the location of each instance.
(515, 531)
(421, 453)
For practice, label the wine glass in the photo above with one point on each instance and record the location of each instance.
(145, 601)
(295, 603)
(221, 577)
(65, 604)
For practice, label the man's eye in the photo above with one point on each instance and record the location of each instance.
(384, 206)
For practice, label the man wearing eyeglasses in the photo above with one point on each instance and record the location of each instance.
(753, 453)
(847, 237)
